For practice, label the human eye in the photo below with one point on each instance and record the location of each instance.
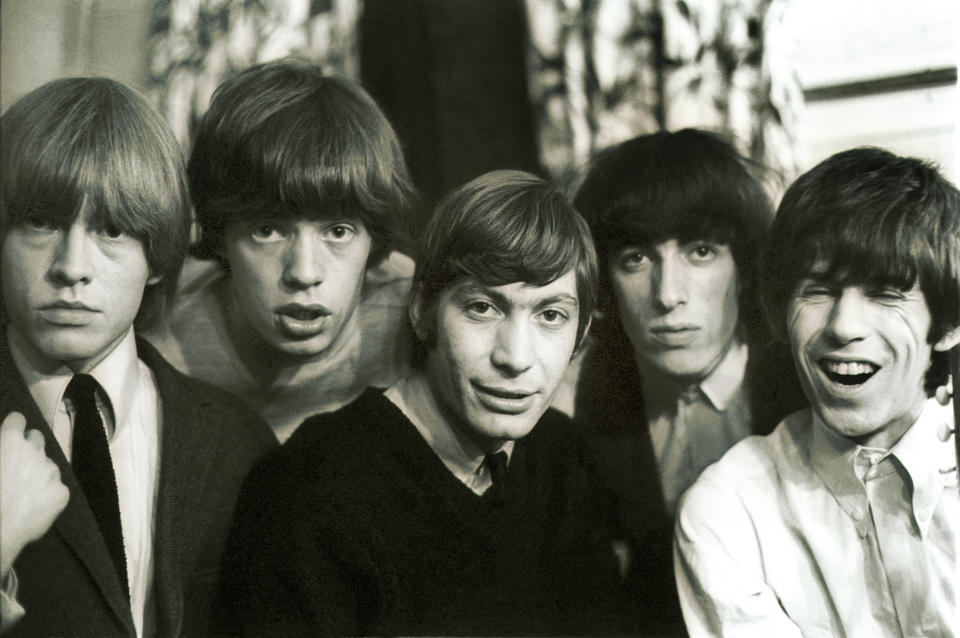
(886, 293)
(554, 317)
(266, 232)
(480, 309)
(109, 230)
(632, 259)
(814, 290)
(341, 233)
(39, 223)
(703, 251)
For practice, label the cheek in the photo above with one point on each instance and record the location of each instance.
(251, 276)
(803, 324)
(728, 307)
(632, 296)
(555, 354)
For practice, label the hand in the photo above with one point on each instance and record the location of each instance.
(31, 493)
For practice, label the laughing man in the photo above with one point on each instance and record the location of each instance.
(844, 521)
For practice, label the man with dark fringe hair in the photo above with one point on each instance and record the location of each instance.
(455, 502)
(681, 367)
(845, 520)
(94, 226)
(305, 212)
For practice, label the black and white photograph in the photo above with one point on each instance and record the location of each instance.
(479, 318)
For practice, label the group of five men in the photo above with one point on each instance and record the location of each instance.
(424, 484)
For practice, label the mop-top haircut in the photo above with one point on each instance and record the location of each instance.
(92, 144)
(867, 216)
(503, 227)
(281, 140)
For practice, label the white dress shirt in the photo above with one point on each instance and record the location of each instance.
(804, 532)
(130, 407)
(692, 427)
(462, 456)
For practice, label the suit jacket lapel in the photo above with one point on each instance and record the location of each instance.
(76, 525)
(183, 469)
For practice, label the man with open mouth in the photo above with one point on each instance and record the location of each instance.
(455, 502)
(304, 205)
(845, 520)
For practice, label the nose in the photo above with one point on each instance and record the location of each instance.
(303, 261)
(71, 260)
(513, 350)
(670, 283)
(848, 320)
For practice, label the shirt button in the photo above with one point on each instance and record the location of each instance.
(857, 514)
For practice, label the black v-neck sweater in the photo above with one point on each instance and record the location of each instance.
(355, 527)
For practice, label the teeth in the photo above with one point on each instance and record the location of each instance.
(850, 367)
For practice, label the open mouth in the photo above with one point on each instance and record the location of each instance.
(303, 315)
(848, 372)
(301, 312)
(503, 401)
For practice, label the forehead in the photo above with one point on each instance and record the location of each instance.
(291, 215)
(562, 291)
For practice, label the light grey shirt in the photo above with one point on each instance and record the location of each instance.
(806, 533)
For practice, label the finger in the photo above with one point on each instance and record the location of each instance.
(14, 422)
(35, 437)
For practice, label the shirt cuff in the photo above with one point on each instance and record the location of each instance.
(10, 610)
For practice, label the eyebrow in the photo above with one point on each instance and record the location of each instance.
(563, 298)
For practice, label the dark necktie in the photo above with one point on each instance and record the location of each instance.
(497, 464)
(93, 468)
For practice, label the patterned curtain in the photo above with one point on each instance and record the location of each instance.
(600, 71)
(606, 70)
(195, 44)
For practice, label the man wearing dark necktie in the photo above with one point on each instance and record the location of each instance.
(93, 230)
(455, 502)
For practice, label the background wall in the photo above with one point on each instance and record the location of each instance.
(881, 72)
(45, 39)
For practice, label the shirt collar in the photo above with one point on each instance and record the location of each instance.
(459, 453)
(118, 375)
(927, 459)
(719, 387)
(920, 451)
(722, 384)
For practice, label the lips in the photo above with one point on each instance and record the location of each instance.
(848, 372)
(67, 313)
(504, 400)
(303, 312)
(301, 321)
(675, 336)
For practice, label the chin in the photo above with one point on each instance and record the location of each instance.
(511, 427)
(679, 365)
(67, 349)
(309, 348)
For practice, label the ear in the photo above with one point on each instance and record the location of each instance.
(418, 316)
(948, 340)
(583, 339)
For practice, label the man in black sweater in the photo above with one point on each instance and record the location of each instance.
(455, 502)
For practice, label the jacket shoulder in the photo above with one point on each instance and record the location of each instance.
(224, 415)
